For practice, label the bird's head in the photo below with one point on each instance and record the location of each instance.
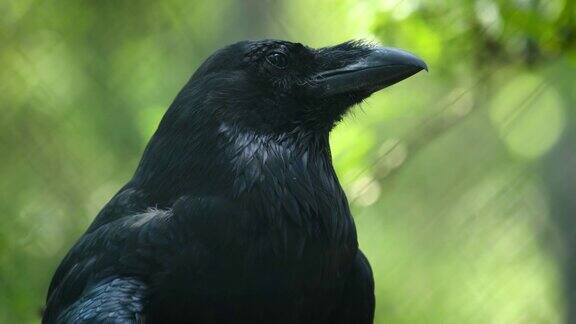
(256, 103)
(280, 86)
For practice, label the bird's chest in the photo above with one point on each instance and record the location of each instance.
(276, 268)
(289, 257)
(305, 235)
(289, 277)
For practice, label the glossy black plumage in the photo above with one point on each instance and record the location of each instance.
(235, 213)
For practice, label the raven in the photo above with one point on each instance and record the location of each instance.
(235, 213)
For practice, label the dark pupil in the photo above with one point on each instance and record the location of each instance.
(277, 59)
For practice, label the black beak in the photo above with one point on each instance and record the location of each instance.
(380, 68)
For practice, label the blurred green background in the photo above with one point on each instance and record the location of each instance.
(462, 180)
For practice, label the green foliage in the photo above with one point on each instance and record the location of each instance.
(441, 170)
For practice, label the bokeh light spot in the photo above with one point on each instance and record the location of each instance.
(528, 114)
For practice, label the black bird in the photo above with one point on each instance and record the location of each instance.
(235, 213)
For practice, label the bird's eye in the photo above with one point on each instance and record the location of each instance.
(277, 59)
